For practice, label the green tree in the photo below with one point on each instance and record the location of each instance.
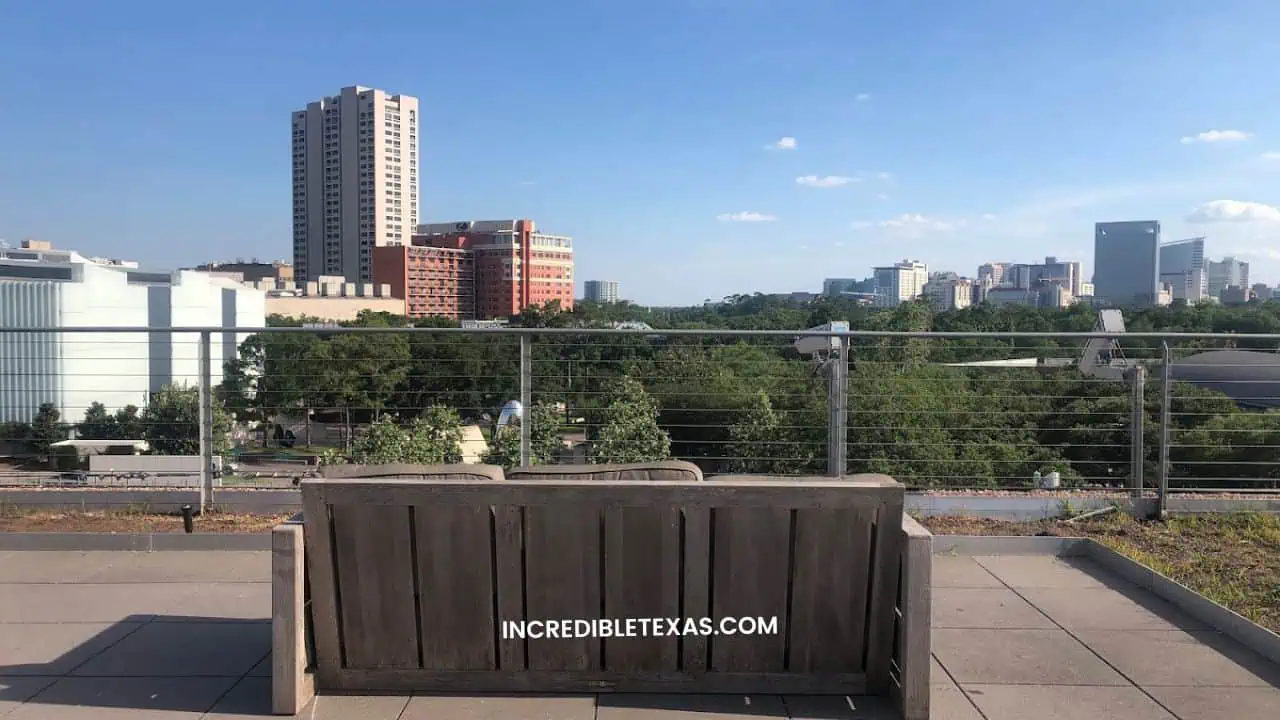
(630, 432)
(759, 442)
(171, 422)
(434, 438)
(545, 442)
(98, 424)
(47, 428)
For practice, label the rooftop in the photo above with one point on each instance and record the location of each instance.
(187, 635)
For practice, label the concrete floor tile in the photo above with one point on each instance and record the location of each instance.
(16, 690)
(838, 707)
(357, 707)
(1019, 657)
(87, 603)
(1023, 571)
(691, 707)
(209, 602)
(123, 699)
(54, 567)
(984, 608)
(184, 649)
(1196, 658)
(961, 571)
(1205, 703)
(1050, 702)
(185, 566)
(948, 703)
(55, 648)
(501, 707)
(938, 675)
(250, 698)
(262, 669)
(1107, 609)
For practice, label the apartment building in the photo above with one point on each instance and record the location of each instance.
(947, 291)
(900, 282)
(601, 291)
(355, 181)
(478, 270)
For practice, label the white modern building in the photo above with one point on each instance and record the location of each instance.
(601, 291)
(355, 181)
(1182, 268)
(900, 282)
(947, 291)
(45, 288)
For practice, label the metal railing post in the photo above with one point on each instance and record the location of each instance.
(526, 397)
(838, 405)
(206, 420)
(1138, 376)
(1166, 421)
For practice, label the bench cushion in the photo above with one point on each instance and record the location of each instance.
(664, 470)
(406, 471)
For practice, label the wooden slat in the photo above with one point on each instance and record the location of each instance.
(585, 681)
(292, 687)
(562, 582)
(642, 580)
(883, 600)
(508, 564)
(696, 602)
(455, 587)
(830, 589)
(618, 494)
(324, 589)
(750, 567)
(375, 579)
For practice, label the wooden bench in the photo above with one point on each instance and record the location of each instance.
(417, 583)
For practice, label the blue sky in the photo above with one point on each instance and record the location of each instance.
(650, 130)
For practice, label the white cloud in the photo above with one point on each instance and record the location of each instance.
(785, 143)
(884, 176)
(862, 97)
(916, 221)
(839, 243)
(1271, 157)
(1233, 211)
(1213, 136)
(988, 216)
(826, 181)
(528, 183)
(746, 216)
(861, 224)
(882, 196)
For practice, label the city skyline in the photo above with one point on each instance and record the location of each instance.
(777, 144)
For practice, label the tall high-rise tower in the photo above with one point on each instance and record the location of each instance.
(1126, 263)
(355, 181)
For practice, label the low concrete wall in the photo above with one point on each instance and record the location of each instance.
(137, 542)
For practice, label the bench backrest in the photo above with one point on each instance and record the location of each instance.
(430, 584)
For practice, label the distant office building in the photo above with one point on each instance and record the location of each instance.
(1234, 295)
(43, 287)
(1227, 273)
(355, 181)
(1033, 276)
(1086, 289)
(900, 282)
(328, 299)
(1053, 295)
(478, 270)
(949, 292)
(1182, 266)
(1261, 291)
(1126, 261)
(252, 272)
(834, 287)
(992, 273)
(600, 291)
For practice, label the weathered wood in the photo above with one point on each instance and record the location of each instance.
(830, 590)
(562, 582)
(883, 599)
(508, 574)
(375, 584)
(324, 588)
(696, 602)
(455, 587)
(642, 580)
(915, 621)
(292, 687)
(750, 569)
(541, 681)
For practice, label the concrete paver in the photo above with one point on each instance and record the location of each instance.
(55, 648)
(1198, 658)
(1108, 609)
(1019, 657)
(959, 571)
(168, 635)
(1058, 702)
(1216, 703)
(985, 608)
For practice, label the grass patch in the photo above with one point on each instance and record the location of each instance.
(1233, 560)
(131, 519)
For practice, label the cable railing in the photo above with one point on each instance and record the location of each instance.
(214, 408)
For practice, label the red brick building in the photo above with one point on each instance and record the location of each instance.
(478, 270)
